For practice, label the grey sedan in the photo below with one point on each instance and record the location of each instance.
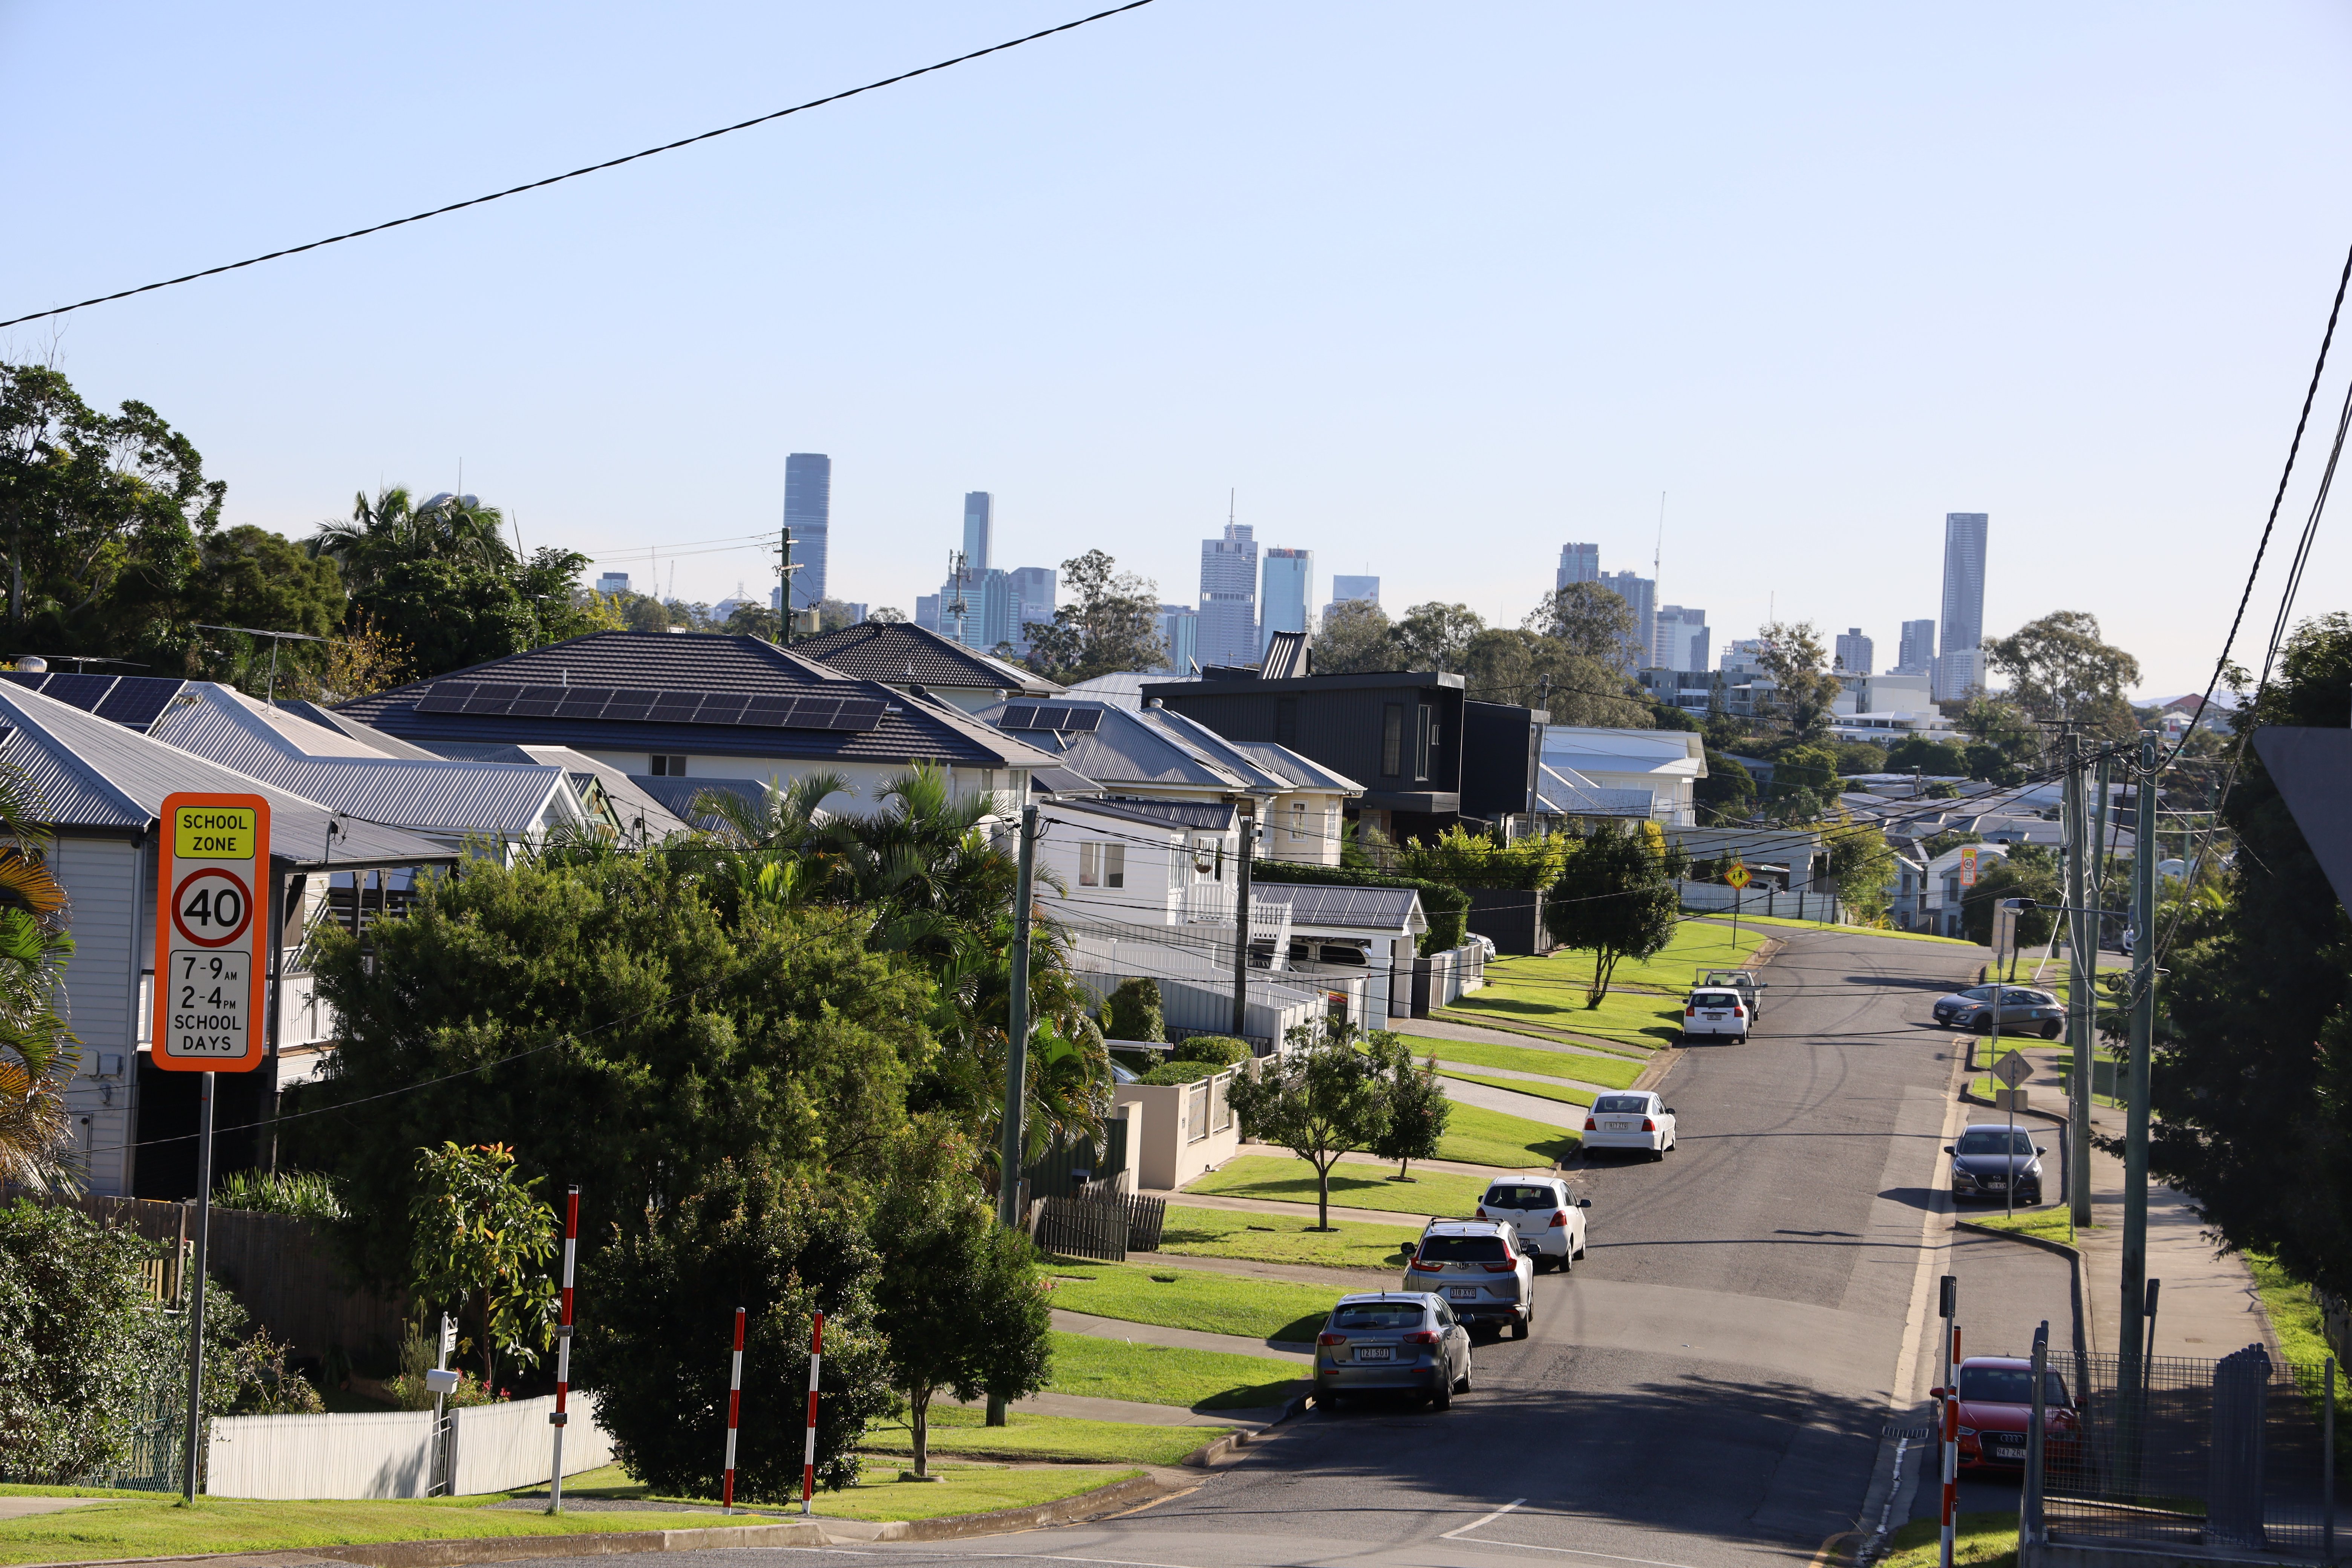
(1406, 1343)
(2023, 1010)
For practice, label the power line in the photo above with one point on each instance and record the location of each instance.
(588, 169)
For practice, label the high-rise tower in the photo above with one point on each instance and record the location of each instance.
(1228, 633)
(808, 512)
(1577, 564)
(1961, 668)
(978, 521)
(1288, 588)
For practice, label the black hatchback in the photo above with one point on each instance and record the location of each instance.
(1996, 1162)
(2023, 1010)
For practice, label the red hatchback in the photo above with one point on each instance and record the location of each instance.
(1997, 1405)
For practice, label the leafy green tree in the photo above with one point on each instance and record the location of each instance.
(393, 529)
(1945, 758)
(1804, 689)
(73, 1311)
(1355, 638)
(2029, 871)
(654, 1344)
(479, 1244)
(1219, 1051)
(1321, 1098)
(1728, 794)
(1417, 1106)
(1862, 863)
(755, 621)
(961, 1305)
(1504, 664)
(37, 1048)
(1111, 624)
(100, 516)
(2060, 668)
(1590, 622)
(1616, 899)
(248, 576)
(1436, 637)
(1131, 1012)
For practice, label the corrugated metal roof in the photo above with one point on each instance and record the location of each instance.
(1209, 816)
(898, 652)
(1122, 750)
(431, 796)
(634, 804)
(1304, 771)
(1565, 793)
(910, 732)
(1393, 909)
(88, 772)
(375, 740)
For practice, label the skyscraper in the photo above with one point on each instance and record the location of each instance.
(1229, 597)
(808, 512)
(1961, 668)
(613, 583)
(1853, 651)
(1679, 642)
(1577, 564)
(1179, 632)
(1641, 596)
(1033, 588)
(1287, 590)
(979, 519)
(1345, 588)
(1918, 653)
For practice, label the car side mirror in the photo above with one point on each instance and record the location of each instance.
(1584, 1202)
(1935, 1394)
(1670, 1111)
(1949, 1150)
(1409, 1249)
(2040, 1150)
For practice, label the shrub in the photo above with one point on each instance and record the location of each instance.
(304, 1195)
(1181, 1072)
(1132, 1011)
(1222, 1049)
(75, 1315)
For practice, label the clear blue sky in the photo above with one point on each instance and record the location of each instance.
(1433, 287)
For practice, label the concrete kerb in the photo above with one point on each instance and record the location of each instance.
(1207, 1454)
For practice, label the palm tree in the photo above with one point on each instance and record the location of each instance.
(393, 529)
(37, 1048)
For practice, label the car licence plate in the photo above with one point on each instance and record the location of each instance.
(1715, 1015)
(1463, 1292)
(1617, 1126)
(1996, 1184)
(1374, 1352)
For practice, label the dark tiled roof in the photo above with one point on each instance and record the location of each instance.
(900, 652)
(695, 661)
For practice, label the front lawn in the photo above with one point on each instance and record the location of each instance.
(1641, 1019)
(1695, 946)
(1169, 1374)
(1283, 1238)
(1608, 1072)
(1566, 1094)
(1746, 919)
(969, 1487)
(1060, 1439)
(1477, 1136)
(1978, 1541)
(1354, 1184)
(1194, 1299)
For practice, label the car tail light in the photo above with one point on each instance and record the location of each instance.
(1332, 1339)
(1559, 1218)
(1421, 1267)
(1740, 1012)
(1590, 1125)
(1648, 1125)
(1481, 1214)
(1503, 1268)
(1424, 1337)
(1690, 1012)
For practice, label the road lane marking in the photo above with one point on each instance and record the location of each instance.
(1482, 1523)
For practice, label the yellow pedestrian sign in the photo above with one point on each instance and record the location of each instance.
(1738, 875)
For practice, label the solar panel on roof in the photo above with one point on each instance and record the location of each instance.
(633, 705)
(675, 707)
(815, 713)
(721, 708)
(583, 702)
(490, 701)
(859, 713)
(138, 701)
(445, 696)
(82, 691)
(765, 710)
(1020, 716)
(32, 678)
(1081, 719)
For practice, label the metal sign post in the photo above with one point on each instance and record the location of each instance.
(211, 958)
(1737, 877)
(2012, 1070)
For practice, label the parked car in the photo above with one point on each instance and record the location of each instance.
(1743, 981)
(2023, 1010)
(1388, 1342)
(1991, 1159)
(1636, 1121)
(1548, 1220)
(1477, 1267)
(1997, 1407)
(1716, 1015)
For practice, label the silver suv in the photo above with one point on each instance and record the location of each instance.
(1407, 1341)
(1477, 1267)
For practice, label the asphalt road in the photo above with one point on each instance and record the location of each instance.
(1709, 1388)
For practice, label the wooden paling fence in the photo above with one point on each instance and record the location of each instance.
(1100, 1220)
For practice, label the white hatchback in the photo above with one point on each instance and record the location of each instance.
(1550, 1220)
(1716, 1015)
(1638, 1119)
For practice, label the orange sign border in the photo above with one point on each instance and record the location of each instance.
(253, 942)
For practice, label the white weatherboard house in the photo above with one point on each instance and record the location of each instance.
(1667, 763)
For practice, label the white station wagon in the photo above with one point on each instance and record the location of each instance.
(1638, 1119)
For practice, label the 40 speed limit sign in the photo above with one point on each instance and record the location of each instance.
(212, 932)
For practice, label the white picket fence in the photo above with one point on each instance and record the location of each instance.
(389, 1454)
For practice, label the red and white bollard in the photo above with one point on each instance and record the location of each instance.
(563, 1350)
(1951, 1448)
(734, 1414)
(808, 1454)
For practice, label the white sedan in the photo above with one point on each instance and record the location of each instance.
(1638, 1119)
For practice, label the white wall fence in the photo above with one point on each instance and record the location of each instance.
(1199, 1008)
(1713, 898)
(389, 1454)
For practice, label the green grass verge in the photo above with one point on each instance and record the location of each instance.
(1564, 1093)
(1354, 1186)
(1057, 1439)
(1194, 1299)
(1283, 1238)
(1169, 1374)
(1477, 1136)
(2055, 1222)
(1746, 919)
(154, 1525)
(1693, 946)
(2294, 1317)
(967, 1488)
(1978, 1541)
(1643, 1020)
(1983, 1087)
(1608, 1072)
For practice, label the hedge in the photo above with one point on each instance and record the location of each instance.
(1448, 907)
(1181, 1072)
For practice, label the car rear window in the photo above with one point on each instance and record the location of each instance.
(1378, 1315)
(1463, 1250)
(1714, 999)
(1621, 1103)
(2008, 1385)
(1520, 1198)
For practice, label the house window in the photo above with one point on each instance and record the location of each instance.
(670, 767)
(1102, 865)
(1285, 721)
(1392, 740)
(1298, 820)
(1426, 735)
